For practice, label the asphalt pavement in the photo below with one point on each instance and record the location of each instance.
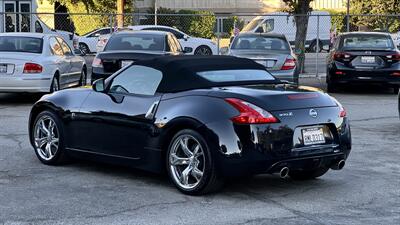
(366, 191)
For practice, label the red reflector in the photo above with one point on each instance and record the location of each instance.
(32, 68)
(396, 74)
(343, 112)
(289, 64)
(249, 113)
(302, 96)
(339, 73)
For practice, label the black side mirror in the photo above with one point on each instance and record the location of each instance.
(99, 85)
(187, 50)
(79, 52)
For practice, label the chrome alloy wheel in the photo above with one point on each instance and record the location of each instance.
(46, 138)
(186, 161)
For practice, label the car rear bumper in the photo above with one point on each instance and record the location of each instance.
(98, 73)
(285, 75)
(33, 83)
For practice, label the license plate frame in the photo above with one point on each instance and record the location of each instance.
(3, 68)
(313, 136)
(125, 63)
(368, 59)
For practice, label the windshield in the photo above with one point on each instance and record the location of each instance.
(236, 75)
(252, 25)
(373, 42)
(258, 42)
(21, 44)
(145, 42)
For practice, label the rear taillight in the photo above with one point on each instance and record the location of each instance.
(289, 64)
(341, 56)
(394, 57)
(32, 68)
(97, 62)
(397, 74)
(249, 113)
(342, 112)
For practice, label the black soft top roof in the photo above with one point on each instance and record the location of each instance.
(180, 72)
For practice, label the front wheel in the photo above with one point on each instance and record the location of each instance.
(203, 50)
(190, 164)
(84, 48)
(308, 174)
(48, 139)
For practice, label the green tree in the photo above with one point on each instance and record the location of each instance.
(302, 9)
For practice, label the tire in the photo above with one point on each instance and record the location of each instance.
(313, 46)
(200, 168)
(55, 84)
(203, 50)
(82, 81)
(308, 174)
(84, 48)
(332, 88)
(49, 143)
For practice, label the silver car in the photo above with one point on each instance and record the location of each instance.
(271, 50)
(33, 62)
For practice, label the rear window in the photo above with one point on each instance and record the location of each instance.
(236, 75)
(21, 44)
(146, 42)
(378, 42)
(258, 42)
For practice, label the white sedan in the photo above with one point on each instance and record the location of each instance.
(199, 46)
(33, 62)
(88, 41)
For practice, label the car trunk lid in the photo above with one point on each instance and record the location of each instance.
(368, 59)
(272, 60)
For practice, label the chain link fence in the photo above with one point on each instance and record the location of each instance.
(322, 28)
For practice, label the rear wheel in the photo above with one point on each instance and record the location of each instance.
(48, 139)
(190, 164)
(308, 174)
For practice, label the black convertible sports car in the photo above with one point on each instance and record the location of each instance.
(363, 58)
(201, 118)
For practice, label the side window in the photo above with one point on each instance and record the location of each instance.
(38, 27)
(177, 34)
(137, 79)
(267, 26)
(178, 45)
(172, 44)
(55, 46)
(66, 49)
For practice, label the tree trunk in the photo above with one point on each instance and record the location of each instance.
(301, 34)
(120, 11)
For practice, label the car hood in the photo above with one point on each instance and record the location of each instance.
(201, 40)
(278, 97)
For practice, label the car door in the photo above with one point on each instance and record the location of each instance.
(119, 122)
(63, 64)
(74, 73)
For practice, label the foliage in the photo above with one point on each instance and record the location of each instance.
(380, 7)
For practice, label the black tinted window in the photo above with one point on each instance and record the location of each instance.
(258, 42)
(147, 42)
(137, 80)
(21, 44)
(367, 42)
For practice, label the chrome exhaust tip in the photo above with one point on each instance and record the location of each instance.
(339, 165)
(284, 172)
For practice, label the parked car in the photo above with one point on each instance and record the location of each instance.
(199, 46)
(33, 62)
(270, 50)
(103, 39)
(88, 41)
(363, 58)
(201, 118)
(126, 47)
(319, 24)
(396, 39)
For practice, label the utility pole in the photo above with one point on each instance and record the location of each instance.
(120, 12)
(155, 12)
(348, 16)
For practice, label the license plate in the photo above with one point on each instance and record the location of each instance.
(313, 136)
(266, 63)
(368, 59)
(3, 68)
(126, 63)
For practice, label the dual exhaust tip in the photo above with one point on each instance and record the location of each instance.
(284, 172)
